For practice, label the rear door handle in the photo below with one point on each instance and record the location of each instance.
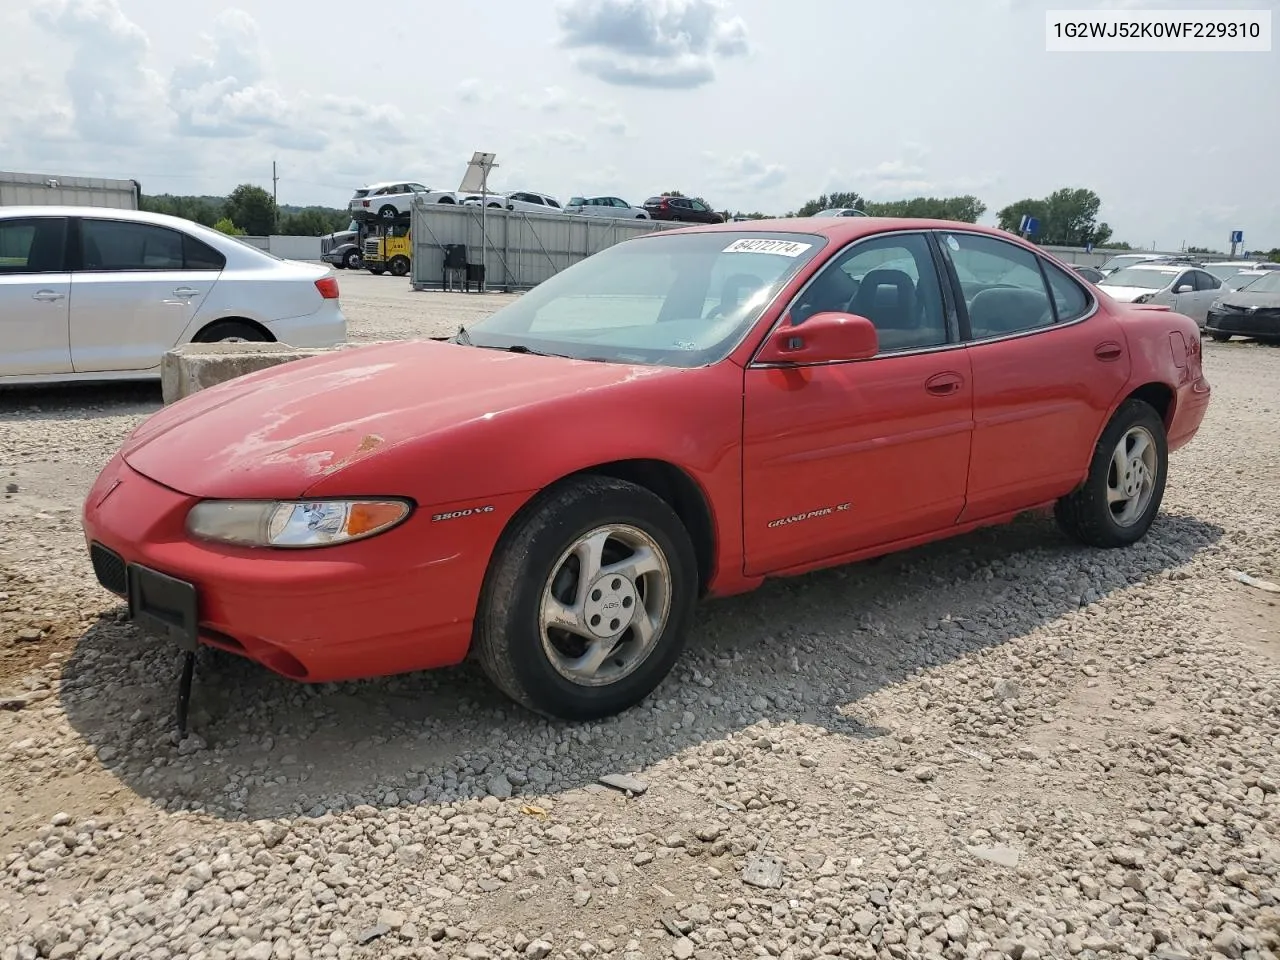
(944, 384)
(48, 295)
(1108, 350)
(185, 291)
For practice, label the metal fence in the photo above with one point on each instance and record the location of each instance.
(518, 250)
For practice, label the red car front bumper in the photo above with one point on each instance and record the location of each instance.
(401, 601)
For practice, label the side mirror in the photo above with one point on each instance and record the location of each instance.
(823, 338)
(1182, 288)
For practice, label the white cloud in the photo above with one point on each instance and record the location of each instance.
(671, 44)
(111, 103)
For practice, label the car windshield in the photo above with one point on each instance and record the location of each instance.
(1267, 283)
(1240, 280)
(1147, 278)
(1224, 270)
(679, 300)
(1117, 263)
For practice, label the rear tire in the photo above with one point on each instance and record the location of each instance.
(1220, 337)
(388, 212)
(1119, 500)
(232, 331)
(625, 628)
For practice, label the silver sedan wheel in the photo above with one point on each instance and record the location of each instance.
(605, 605)
(1131, 479)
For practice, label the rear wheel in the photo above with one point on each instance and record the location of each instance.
(388, 212)
(232, 331)
(399, 266)
(588, 600)
(1119, 499)
(1220, 337)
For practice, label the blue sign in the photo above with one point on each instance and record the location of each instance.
(1237, 236)
(1031, 226)
(1088, 247)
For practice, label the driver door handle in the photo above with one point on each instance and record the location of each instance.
(944, 384)
(185, 291)
(48, 295)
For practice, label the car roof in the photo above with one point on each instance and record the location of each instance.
(842, 229)
(113, 213)
(1163, 266)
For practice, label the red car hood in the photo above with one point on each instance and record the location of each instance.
(276, 432)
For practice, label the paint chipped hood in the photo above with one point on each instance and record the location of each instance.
(357, 417)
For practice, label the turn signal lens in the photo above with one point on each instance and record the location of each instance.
(293, 523)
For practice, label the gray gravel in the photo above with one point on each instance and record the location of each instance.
(1001, 746)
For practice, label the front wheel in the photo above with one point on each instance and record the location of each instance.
(1220, 337)
(588, 600)
(399, 266)
(1119, 499)
(352, 260)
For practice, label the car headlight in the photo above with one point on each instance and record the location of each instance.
(1144, 298)
(293, 523)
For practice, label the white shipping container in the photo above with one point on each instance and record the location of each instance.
(39, 189)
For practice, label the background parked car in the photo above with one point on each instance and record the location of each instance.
(1122, 260)
(1092, 274)
(1251, 311)
(605, 207)
(519, 201)
(394, 199)
(1188, 290)
(90, 293)
(684, 209)
(1224, 269)
(841, 212)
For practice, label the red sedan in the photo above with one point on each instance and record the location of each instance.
(681, 415)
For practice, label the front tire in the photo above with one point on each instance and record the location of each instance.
(1220, 337)
(399, 266)
(1121, 496)
(588, 599)
(352, 260)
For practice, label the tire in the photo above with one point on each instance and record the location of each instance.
(1220, 337)
(377, 271)
(352, 260)
(447, 200)
(530, 663)
(225, 331)
(388, 212)
(1087, 514)
(399, 266)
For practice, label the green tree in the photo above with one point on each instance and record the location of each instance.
(226, 226)
(966, 209)
(204, 210)
(1068, 218)
(252, 208)
(312, 221)
(1274, 255)
(827, 201)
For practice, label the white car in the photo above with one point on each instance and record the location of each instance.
(1225, 269)
(614, 207)
(1190, 291)
(1122, 260)
(519, 201)
(92, 293)
(394, 199)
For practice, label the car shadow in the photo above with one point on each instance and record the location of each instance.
(79, 401)
(807, 649)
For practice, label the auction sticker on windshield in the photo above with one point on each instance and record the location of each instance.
(784, 248)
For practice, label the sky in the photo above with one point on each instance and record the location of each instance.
(752, 104)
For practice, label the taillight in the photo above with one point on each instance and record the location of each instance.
(328, 287)
(364, 203)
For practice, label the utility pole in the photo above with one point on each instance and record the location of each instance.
(275, 203)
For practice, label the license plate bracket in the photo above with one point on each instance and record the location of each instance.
(164, 606)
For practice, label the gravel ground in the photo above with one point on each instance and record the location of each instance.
(1000, 746)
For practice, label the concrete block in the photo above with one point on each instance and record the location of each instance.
(192, 367)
